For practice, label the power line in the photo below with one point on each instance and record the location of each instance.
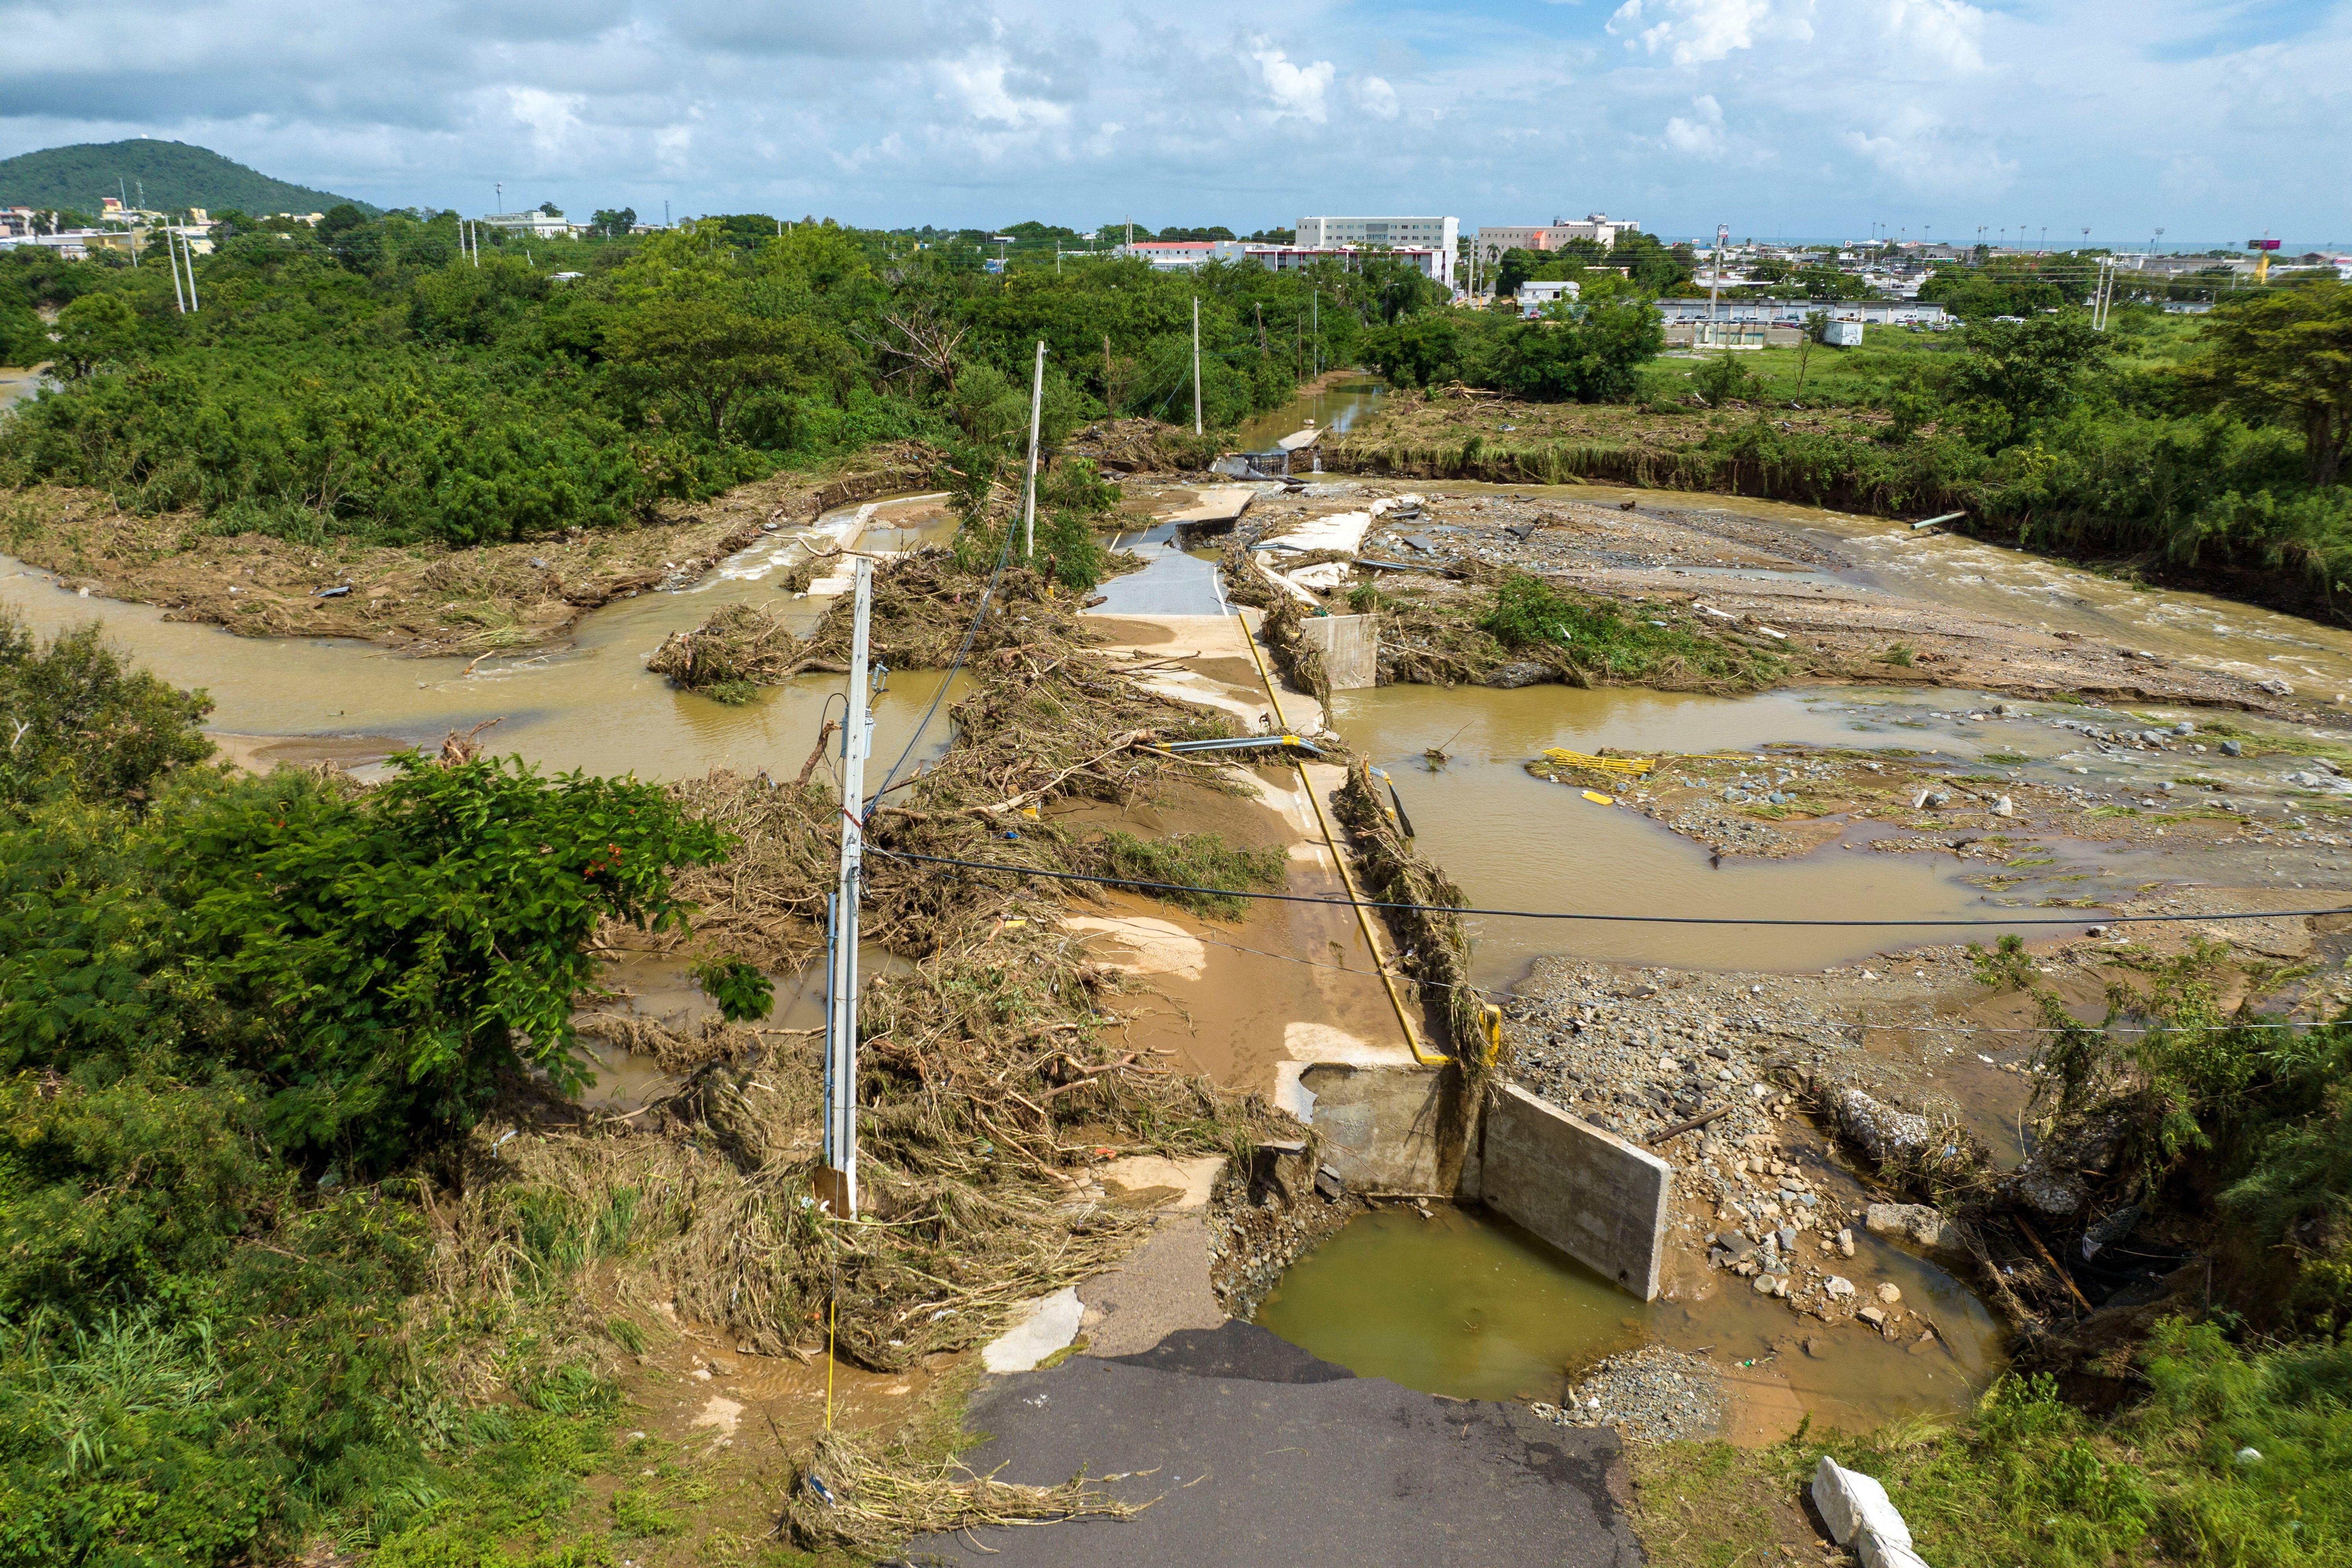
(1572, 915)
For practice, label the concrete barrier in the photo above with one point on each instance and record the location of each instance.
(1351, 646)
(1385, 1129)
(1588, 1193)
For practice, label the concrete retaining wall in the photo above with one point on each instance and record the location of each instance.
(1351, 646)
(1385, 1129)
(1590, 1194)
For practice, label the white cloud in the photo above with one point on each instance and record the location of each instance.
(1696, 32)
(1294, 90)
(1702, 137)
(553, 117)
(911, 112)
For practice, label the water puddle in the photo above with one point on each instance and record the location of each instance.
(590, 704)
(1466, 1304)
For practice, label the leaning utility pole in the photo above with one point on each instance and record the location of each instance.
(183, 299)
(1196, 365)
(838, 1183)
(188, 248)
(1029, 487)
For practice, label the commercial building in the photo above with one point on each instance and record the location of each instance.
(1601, 229)
(537, 225)
(1441, 234)
(1185, 255)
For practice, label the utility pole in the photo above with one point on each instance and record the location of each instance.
(1196, 364)
(1714, 276)
(1029, 489)
(188, 246)
(183, 299)
(838, 1182)
(1314, 331)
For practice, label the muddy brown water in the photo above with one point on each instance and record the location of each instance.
(1515, 841)
(589, 704)
(1335, 406)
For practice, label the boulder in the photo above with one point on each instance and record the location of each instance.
(1923, 1225)
(1883, 1132)
(1522, 672)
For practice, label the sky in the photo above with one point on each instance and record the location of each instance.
(2213, 120)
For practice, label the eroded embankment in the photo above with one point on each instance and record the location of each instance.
(422, 598)
(1513, 590)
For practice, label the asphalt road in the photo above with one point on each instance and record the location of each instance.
(1265, 1457)
(1171, 584)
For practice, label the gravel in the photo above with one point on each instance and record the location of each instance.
(1651, 1396)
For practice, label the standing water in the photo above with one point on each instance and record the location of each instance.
(1464, 1303)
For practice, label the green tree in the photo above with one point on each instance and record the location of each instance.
(2019, 372)
(96, 330)
(615, 221)
(75, 718)
(2286, 355)
(710, 360)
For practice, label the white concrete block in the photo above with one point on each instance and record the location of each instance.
(1852, 1503)
(1050, 1326)
(1877, 1552)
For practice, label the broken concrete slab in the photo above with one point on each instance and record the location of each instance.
(1052, 1323)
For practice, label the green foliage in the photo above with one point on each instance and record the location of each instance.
(175, 176)
(2007, 967)
(392, 955)
(75, 719)
(1530, 613)
(2013, 375)
(2288, 355)
(1724, 379)
(1590, 351)
(741, 990)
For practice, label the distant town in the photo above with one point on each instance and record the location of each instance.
(1745, 283)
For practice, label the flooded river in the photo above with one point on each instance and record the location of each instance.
(590, 704)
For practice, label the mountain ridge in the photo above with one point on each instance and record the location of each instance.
(175, 174)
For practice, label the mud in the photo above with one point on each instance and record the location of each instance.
(424, 599)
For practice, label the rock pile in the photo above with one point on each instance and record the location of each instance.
(1651, 1396)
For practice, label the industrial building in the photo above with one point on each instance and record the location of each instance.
(1441, 234)
(1878, 312)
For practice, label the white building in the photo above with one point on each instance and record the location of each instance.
(537, 225)
(1185, 255)
(1534, 295)
(1439, 233)
(1880, 312)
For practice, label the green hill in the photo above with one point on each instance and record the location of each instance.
(175, 176)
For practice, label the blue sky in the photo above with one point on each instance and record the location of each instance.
(2214, 121)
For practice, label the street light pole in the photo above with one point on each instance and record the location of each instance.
(1196, 364)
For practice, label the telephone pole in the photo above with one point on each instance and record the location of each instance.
(837, 1184)
(183, 299)
(1196, 364)
(1029, 489)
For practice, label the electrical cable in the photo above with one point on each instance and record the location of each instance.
(1003, 558)
(1572, 915)
(1864, 1024)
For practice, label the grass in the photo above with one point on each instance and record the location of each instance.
(1191, 860)
(2027, 1478)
